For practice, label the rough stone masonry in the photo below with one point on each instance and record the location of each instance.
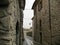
(9, 16)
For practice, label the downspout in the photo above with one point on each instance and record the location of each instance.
(50, 20)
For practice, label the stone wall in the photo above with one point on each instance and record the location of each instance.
(55, 21)
(8, 18)
(46, 23)
(42, 24)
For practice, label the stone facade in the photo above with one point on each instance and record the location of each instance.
(46, 22)
(10, 23)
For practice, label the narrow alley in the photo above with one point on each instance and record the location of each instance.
(28, 38)
(29, 22)
(28, 41)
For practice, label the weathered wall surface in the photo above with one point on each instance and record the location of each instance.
(8, 20)
(47, 23)
(55, 21)
(41, 26)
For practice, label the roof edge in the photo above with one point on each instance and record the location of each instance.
(35, 3)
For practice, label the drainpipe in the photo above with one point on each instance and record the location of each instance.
(50, 20)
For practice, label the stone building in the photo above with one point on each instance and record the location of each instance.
(46, 22)
(11, 14)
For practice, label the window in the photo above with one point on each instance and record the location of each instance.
(40, 5)
(40, 26)
(40, 32)
(35, 11)
(17, 33)
(40, 37)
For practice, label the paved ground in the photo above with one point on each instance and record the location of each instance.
(28, 41)
(25, 43)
